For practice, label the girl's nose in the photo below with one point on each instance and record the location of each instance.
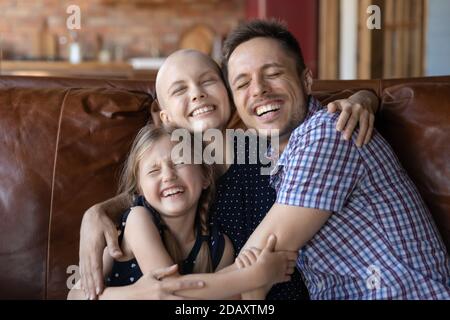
(168, 174)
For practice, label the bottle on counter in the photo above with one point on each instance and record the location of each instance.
(75, 55)
(103, 53)
(48, 48)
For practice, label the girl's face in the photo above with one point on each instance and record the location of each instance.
(192, 94)
(171, 187)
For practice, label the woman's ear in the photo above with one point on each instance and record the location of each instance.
(165, 118)
(154, 112)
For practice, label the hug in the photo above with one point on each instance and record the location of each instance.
(337, 218)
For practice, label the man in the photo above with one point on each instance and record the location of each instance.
(362, 229)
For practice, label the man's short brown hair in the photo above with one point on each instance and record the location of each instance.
(273, 29)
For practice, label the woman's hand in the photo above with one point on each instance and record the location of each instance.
(151, 286)
(97, 230)
(359, 109)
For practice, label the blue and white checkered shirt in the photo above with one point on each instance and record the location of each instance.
(380, 241)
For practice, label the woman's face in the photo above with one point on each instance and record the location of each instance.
(170, 185)
(191, 93)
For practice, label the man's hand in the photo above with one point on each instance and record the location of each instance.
(359, 108)
(96, 226)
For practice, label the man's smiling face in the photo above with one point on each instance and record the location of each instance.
(267, 90)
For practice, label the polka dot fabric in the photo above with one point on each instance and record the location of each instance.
(243, 199)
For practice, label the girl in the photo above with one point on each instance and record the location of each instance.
(169, 223)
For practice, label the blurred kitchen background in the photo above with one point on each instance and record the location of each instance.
(129, 39)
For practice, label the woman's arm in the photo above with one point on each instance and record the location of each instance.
(98, 230)
(360, 108)
(77, 292)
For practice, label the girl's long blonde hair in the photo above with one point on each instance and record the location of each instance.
(129, 184)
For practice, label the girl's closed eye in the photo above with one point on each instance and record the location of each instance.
(153, 171)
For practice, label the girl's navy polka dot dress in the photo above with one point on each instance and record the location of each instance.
(127, 272)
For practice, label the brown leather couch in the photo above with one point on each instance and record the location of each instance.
(63, 142)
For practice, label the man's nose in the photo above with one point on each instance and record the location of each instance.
(259, 87)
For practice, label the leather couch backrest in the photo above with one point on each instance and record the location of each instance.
(62, 148)
(415, 119)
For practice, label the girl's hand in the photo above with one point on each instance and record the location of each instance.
(275, 266)
(247, 257)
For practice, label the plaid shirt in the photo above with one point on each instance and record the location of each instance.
(380, 241)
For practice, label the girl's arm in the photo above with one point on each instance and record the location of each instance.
(271, 267)
(142, 238)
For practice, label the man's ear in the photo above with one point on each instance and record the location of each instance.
(307, 80)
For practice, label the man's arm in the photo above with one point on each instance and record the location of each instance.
(293, 226)
(98, 230)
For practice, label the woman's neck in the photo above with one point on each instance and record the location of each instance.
(224, 152)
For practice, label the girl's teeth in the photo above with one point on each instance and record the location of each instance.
(264, 109)
(172, 191)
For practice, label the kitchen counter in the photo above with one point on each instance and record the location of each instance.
(90, 69)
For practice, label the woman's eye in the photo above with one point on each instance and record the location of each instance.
(153, 171)
(179, 163)
(208, 81)
(178, 90)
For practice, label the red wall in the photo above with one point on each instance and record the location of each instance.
(301, 17)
